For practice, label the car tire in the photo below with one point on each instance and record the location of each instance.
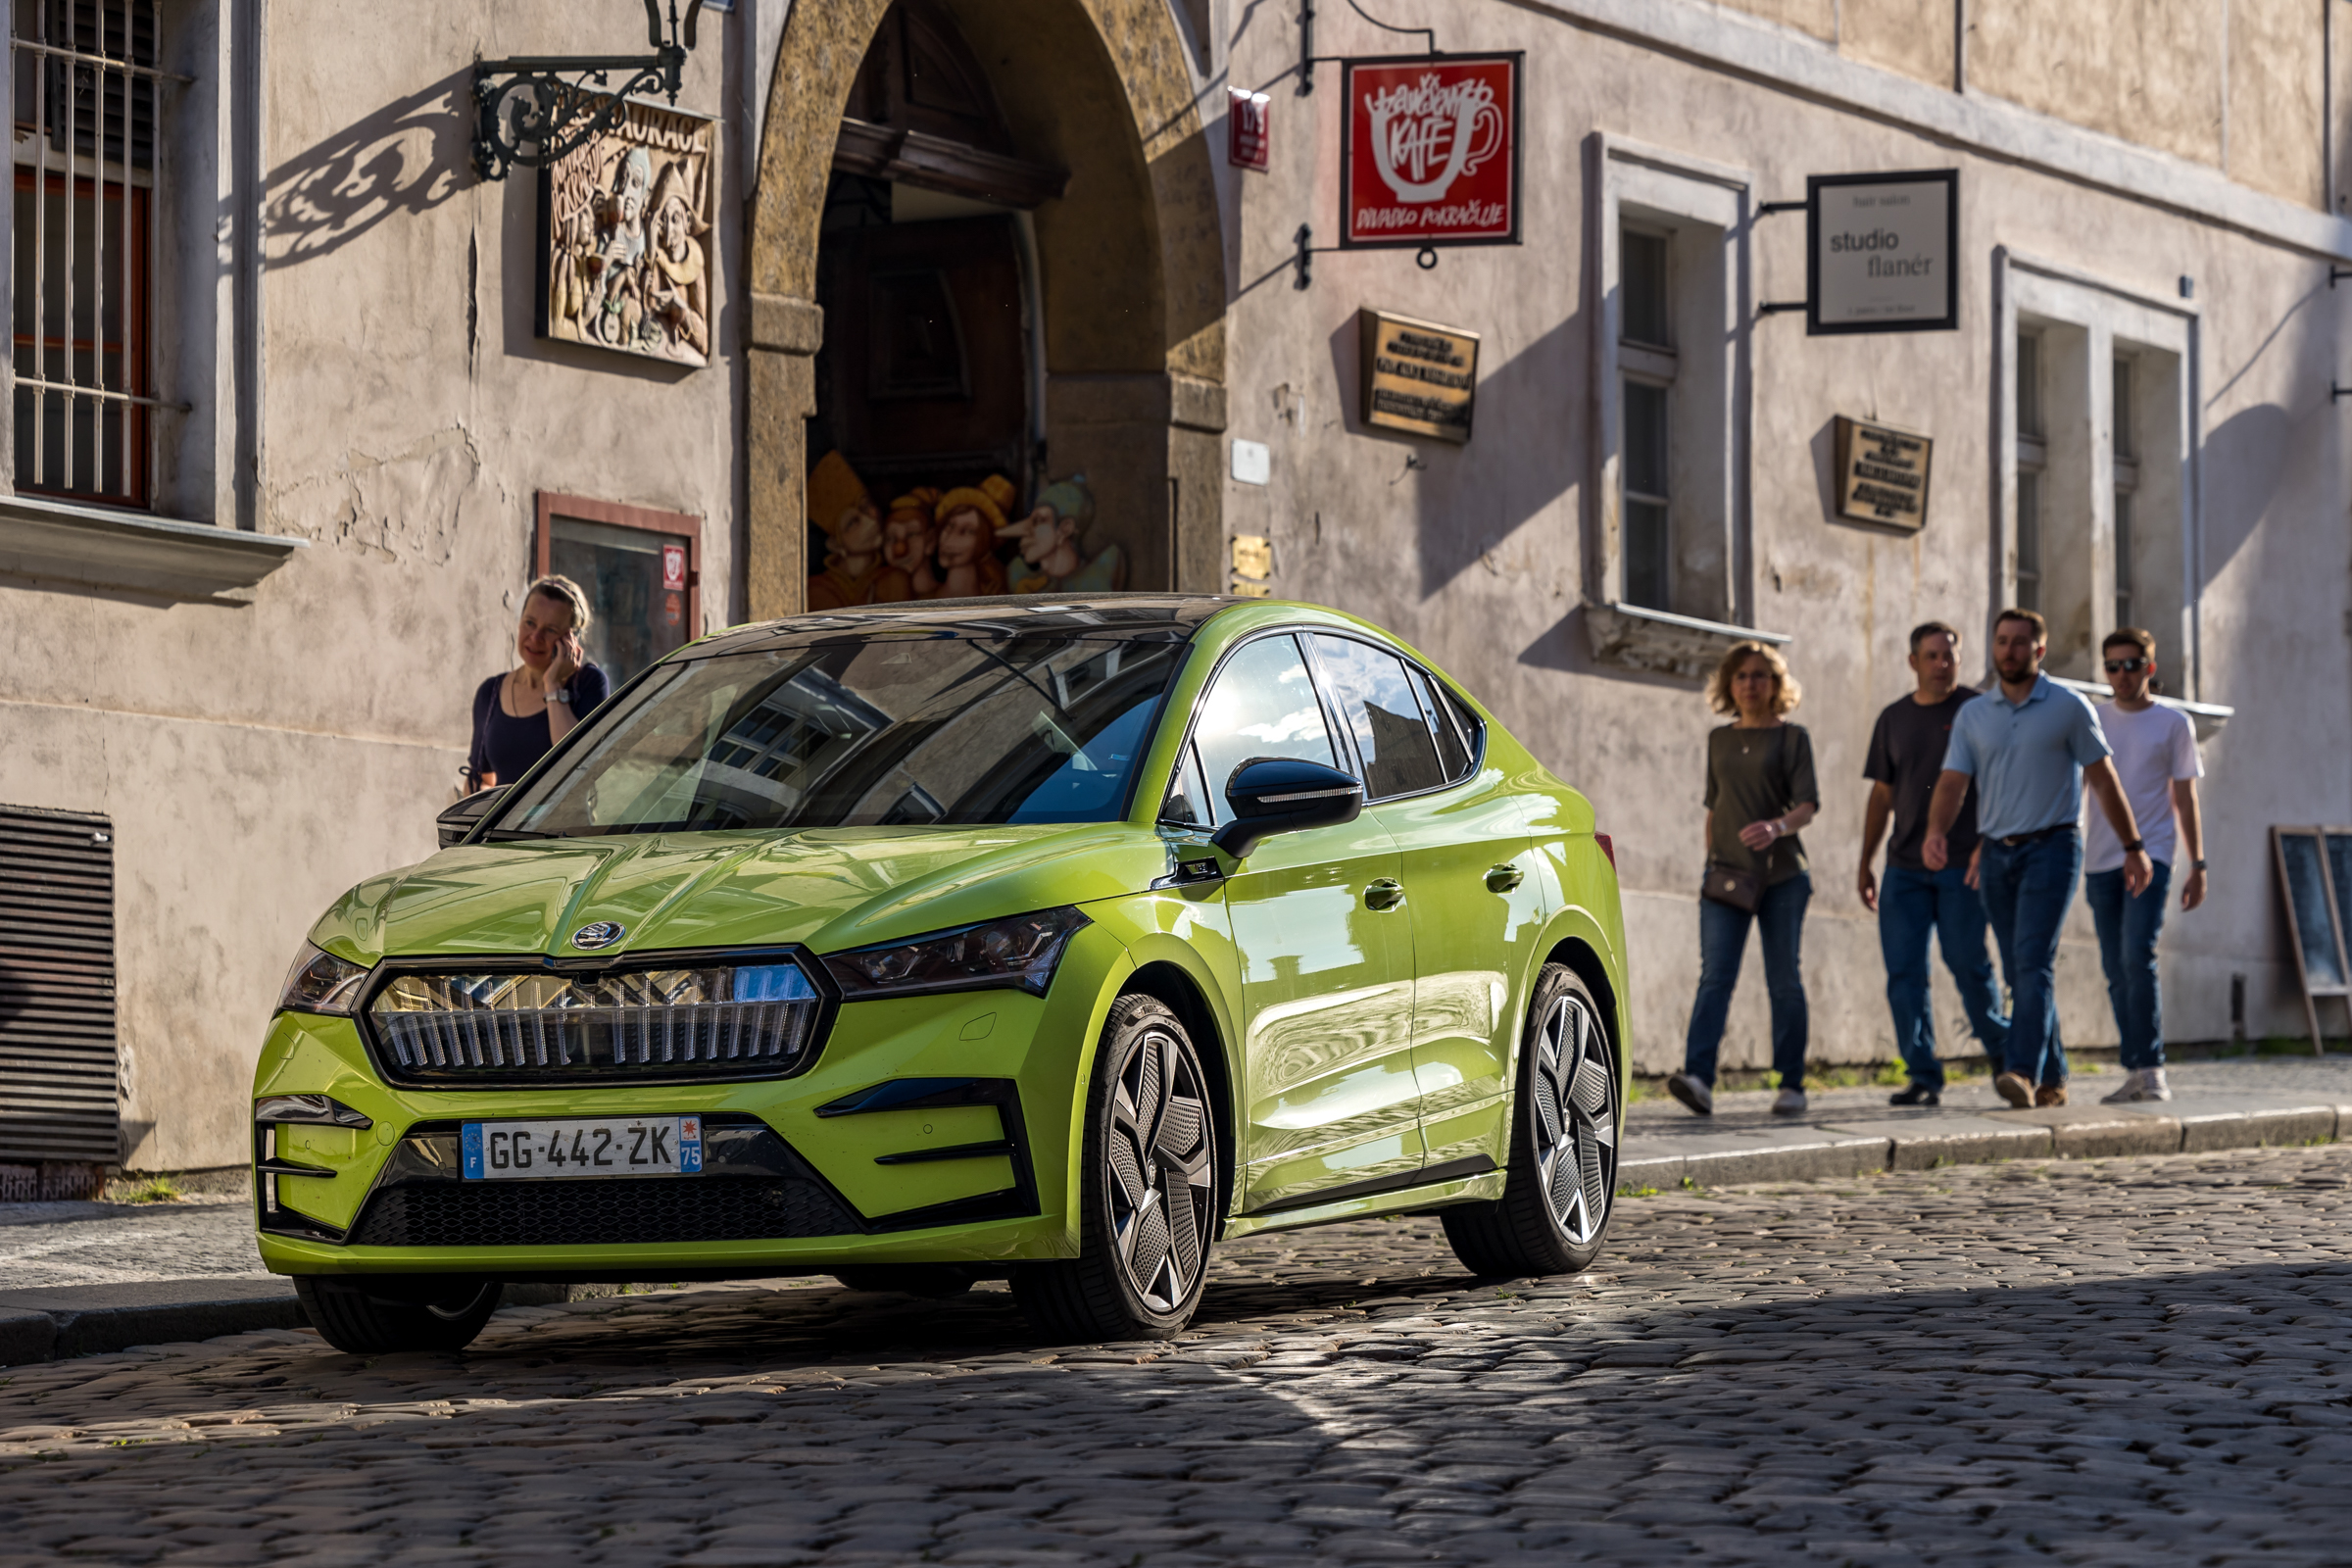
(1560, 1193)
(1148, 1190)
(935, 1280)
(381, 1316)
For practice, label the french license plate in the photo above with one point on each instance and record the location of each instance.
(618, 1146)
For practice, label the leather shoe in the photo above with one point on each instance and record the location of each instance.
(2015, 1088)
(1915, 1094)
(2050, 1095)
(1696, 1096)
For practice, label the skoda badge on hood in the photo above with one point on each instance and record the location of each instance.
(601, 934)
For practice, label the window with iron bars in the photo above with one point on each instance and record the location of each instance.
(87, 92)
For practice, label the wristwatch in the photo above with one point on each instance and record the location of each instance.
(2135, 846)
(564, 697)
(2197, 865)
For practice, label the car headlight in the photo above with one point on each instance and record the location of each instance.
(321, 982)
(1019, 953)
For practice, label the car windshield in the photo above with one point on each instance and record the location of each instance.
(889, 728)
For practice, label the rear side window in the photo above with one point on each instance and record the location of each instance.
(1263, 704)
(1376, 698)
(1453, 754)
(1472, 727)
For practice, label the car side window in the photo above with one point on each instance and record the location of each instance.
(1188, 802)
(1263, 704)
(1453, 754)
(1376, 698)
(1473, 728)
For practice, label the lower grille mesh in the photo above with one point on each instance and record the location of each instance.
(612, 1211)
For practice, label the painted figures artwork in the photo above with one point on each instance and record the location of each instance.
(964, 542)
(627, 243)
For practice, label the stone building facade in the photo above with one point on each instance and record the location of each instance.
(272, 520)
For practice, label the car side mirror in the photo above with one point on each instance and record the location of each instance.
(459, 819)
(1272, 795)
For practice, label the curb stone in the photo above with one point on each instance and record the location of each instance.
(55, 1322)
(2189, 1123)
(89, 1319)
(25, 1336)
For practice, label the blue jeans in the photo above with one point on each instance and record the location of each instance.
(1911, 903)
(1722, 938)
(2128, 932)
(2026, 888)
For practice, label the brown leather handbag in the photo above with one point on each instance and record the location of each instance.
(1741, 889)
(1729, 884)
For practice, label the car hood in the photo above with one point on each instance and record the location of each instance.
(830, 888)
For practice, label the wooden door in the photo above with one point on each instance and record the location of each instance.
(926, 351)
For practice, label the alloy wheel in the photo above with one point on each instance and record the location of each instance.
(1161, 1171)
(1574, 1120)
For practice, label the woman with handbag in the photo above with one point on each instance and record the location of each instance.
(1760, 793)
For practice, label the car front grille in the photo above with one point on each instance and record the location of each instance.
(611, 1212)
(701, 1021)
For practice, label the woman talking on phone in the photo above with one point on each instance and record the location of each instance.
(520, 714)
(1760, 793)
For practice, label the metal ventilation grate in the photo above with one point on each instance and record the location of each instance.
(57, 987)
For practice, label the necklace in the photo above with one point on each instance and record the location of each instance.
(514, 696)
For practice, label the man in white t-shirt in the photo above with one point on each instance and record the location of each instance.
(2156, 760)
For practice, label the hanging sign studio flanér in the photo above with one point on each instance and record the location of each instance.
(1431, 151)
(1883, 252)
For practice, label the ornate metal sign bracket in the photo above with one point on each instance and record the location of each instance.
(551, 115)
(1308, 59)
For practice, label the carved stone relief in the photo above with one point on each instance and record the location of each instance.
(627, 252)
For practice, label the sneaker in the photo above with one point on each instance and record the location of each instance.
(1789, 1102)
(2015, 1089)
(1915, 1094)
(2144, 1084)
(2050, 1095)
(1692, 1092)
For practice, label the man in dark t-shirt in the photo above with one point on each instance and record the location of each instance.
(1906, 757)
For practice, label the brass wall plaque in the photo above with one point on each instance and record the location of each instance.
(1418, 376)
(1883, 474)
(1253, 566)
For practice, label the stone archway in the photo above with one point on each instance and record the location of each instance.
(1131, 261)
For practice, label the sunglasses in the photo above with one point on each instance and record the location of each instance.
(2121, 667)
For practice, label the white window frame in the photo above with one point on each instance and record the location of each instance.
(1676, 186)
(2100, 316)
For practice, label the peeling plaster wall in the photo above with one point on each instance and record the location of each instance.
(1481, 555)
(258, 760)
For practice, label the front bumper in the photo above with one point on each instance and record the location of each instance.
(929, 1129)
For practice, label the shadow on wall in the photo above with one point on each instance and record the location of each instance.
(1521, 457)
(406, 157)
(2248, 453)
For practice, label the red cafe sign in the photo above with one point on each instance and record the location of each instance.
(1432, 154)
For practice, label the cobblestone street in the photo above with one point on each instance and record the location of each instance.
(2081, 1361)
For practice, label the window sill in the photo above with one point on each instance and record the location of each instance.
(1661, 643)
(2208, 717)
(99, 547)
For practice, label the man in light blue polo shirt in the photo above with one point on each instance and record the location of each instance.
(2030, 746)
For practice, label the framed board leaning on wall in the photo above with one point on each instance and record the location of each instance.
(2315, 878)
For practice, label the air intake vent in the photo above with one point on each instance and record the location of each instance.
(672, 1025)
(57, 987)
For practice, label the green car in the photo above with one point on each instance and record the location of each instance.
(1048, 939)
